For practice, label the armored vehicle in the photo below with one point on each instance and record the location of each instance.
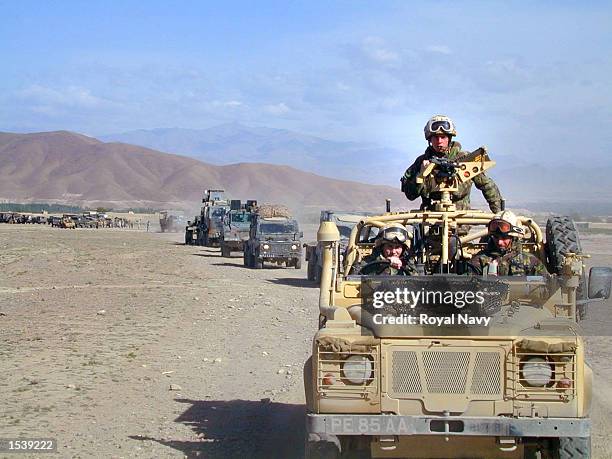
(274, 239)
(345, 221)
(210, 224)
(236, 226)
(405, 366)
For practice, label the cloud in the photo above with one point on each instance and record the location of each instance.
(442, 49)
(227, 104)
(69, 97)
(277, 109)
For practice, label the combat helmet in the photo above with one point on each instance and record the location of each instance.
(506, 224)
(439, 124)
(395, 233)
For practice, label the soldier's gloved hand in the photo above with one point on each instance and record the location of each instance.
(395, 262)
(424, 165)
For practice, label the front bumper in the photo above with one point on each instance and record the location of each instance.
(373, 424)
(280, 255)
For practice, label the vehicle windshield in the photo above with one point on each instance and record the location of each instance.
(218, 212)
(241, 218)
(290, 227)
(345, 231)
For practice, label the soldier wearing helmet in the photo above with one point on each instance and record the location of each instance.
(391, 252)
(439, 132)
(504, 254)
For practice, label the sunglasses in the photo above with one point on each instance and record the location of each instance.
(443, 126)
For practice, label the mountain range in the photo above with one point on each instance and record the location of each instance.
(66, 167)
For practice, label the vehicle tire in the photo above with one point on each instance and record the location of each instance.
(225, 251)
(572, 448)
(310, 270)
(307, 380)
(255, 264)
(297, 263)
(561, 238)
(322, 446)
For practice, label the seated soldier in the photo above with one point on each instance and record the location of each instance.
(391, 252)
(504, 254)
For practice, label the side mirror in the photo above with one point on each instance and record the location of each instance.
(301, 233)
(600, 282)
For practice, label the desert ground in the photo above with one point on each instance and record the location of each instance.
(124, 343)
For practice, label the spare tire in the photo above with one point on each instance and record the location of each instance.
(562, 238)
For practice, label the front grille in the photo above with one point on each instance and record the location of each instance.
(278, 250)
(446, 372)
(406, 377)
(487, 371)
(466, 372)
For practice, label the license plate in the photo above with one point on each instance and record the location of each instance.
(370, 425)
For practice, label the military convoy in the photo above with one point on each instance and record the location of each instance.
(416, 376)
(264, 233)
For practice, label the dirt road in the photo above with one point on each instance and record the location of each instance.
(128, 344)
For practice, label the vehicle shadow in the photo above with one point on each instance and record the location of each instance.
(208, 254)
(299, 282)
(240, 428)
(230, 264)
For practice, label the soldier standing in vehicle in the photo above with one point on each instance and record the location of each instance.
(439, 132)
(504, 254)
(391, 252)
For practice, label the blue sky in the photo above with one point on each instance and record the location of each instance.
(528, 78)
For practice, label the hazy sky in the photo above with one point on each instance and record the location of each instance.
(523, 77)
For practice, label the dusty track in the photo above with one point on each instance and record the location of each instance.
(100, 381)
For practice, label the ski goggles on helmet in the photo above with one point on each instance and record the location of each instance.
(394, 235)
(503, 228)
(441, 126)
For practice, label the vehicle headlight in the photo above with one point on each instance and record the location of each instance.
(357, 369)
(294, 247)
(266, 246)
(537, 372)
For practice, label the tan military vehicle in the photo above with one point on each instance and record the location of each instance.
(413, 377)
(67, 222)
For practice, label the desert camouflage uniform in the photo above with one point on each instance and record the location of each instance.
(461, 197)
(514, 262)
(377, 255)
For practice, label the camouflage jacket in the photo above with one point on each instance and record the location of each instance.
(377, 255)
(461, 197)
(514, 262)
